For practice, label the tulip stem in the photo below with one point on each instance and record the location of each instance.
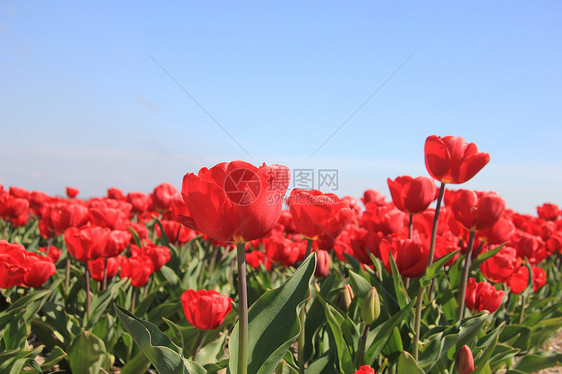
(302, 341)
(308, 248)
(522, 311)
(363, 344)
(67, 278)
(421, 291)
(410, 226)
(464, 279)
(242, 310)
(197, 344)
(87, 276)
(104, 274)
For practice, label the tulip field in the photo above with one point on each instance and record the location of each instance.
(235, 273)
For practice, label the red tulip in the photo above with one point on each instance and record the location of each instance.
(476, 210)
(281, 250)
(548, 211)
(518, 283)
(482, 296)
(115, 194)
(158, 255)
(116, 242)
(162, 197)
(500, 267)
(205, 309)
(323, 265)
(11, 208)
(68, 215)
(499, 233)
(72, 192)
(319, 216)
(373, 197)
(234, 202)
(451, 160)
(385, 218)
(97, 267)
(465, 360)
(140, 201)
(86, 243)
(410, 255)
(175, 232)
(38, 270)
(412, 195)
(53, 253)
(365, 369)
(138, 269)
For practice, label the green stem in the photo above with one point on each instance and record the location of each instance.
(302, 317)
(104, 274)
(522, 311)
(464, 279)
(197, 344)
(242, 310)
(308, 247)
(421, 291)
(67, 277)
(410, 226)
(362, 347)
(87, 276)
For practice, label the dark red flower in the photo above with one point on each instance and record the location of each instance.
(451, 160)
(205, 309)
(482, 296)
(235, 202)
(86, 243)
(412, 195)
(477, 210)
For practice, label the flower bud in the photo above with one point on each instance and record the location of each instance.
(345, 297)
(371, 308)
(465, 361)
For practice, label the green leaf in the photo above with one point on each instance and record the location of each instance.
(56, 355)
(87, 355)
(407, 364)
(401, 294)
(434, 269)
(378, 337)
(482, 359)
(344, 354)
(534, 362)
(160, 350)
(273, 322)
(20, 305)
(484, 256)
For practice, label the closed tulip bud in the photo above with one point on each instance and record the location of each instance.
(345, 298)
(465, 361)
(371, 308)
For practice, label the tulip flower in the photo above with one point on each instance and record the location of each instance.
(412, 195)
(365, 369)
(205, 309)
(116, 194)
(162, 197)
(465, 360)
(520, 279)
(410, 255)
(500, 267)
(234, 202)
(451, 160)
(323, 264)
(482, 296)
(86, 243)
(477, 211)
(549, 211)
(72, 192)
(319, 216)
(138, 269)
(103, 267)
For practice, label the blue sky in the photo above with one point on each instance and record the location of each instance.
(83, 102)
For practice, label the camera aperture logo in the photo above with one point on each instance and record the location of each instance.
(242, 186)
